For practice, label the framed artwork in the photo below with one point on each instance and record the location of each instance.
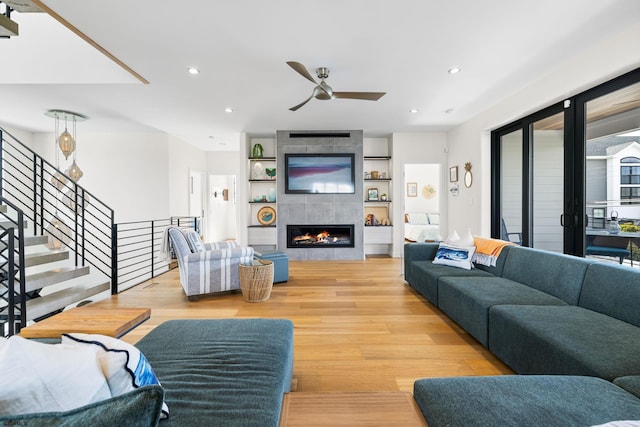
(266, 215)
(453, 174)
(412, 189)
(372, 194)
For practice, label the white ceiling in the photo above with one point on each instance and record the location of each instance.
(404, 47)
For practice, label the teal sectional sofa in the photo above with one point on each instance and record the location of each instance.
(542, 314)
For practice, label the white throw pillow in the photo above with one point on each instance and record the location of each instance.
(418, 219)
(37, 377)
(434, 218)
(453, 238)
(466, 239)
(123, 365)
(455, 256)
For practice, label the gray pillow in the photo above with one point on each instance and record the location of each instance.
(194, 242)
(139, 408)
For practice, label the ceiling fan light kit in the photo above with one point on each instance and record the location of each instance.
(325, 92)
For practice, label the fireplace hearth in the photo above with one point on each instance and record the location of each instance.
(320, 236)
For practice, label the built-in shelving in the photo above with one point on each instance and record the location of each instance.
(377, 161)
(263, 187)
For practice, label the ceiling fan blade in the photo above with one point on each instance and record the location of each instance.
(301, 104)
(369, 96)
(301, 69)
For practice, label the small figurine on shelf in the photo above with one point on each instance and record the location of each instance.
(271, 173)
(371, 220)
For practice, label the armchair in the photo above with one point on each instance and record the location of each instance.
(207, 268)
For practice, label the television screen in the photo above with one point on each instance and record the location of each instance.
(319, 173)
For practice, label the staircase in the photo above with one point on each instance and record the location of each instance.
(51, 281)
(60, 237)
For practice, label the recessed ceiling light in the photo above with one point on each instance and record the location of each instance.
(454, 70)
(228, 110)
(193, 70)
(413, 110)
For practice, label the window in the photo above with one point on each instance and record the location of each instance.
(630, 195)
(630, 174)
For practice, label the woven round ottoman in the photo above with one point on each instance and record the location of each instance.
(256, 280)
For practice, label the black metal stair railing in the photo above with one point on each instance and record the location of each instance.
(12, 270)
(139, 255)
(54, 204)
(126, 253)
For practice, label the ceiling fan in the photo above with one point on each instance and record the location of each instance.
(324, 91)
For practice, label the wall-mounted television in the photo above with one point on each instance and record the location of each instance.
(319, 173)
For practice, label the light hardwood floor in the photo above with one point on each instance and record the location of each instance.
(357, 325)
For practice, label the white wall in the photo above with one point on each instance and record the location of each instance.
(423, 175)
(470, 142)
(415, 148)
(182, 159)
(228, 163)
(126, 171)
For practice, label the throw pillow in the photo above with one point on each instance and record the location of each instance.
(466, 239)
(452, 238)
(455, 256)
(434, 218)
(194, 241)
(123, 365)
(37, 377)
(418, 219)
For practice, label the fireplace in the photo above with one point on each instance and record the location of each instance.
(320, 236)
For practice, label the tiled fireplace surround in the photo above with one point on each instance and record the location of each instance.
(321, 208)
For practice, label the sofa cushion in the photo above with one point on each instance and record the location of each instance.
(556, 274)
(417, 252)
(630, 383)
(467, 300)
(514, 400)
(425, 275)
(566, 340)
(140, 407)
(222, 371)
(612, 290)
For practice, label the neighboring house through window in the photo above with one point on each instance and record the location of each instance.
(630, 180)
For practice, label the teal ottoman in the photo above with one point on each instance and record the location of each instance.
(280, 264)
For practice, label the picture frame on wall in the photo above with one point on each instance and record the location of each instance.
(412, 189)
(372, 194)
(453, 174)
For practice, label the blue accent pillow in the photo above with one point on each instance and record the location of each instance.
(455, 256)
(123, 365)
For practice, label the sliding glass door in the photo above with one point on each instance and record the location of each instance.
(571, 172)
(532, 176)
(547, 183)
(612, 186)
